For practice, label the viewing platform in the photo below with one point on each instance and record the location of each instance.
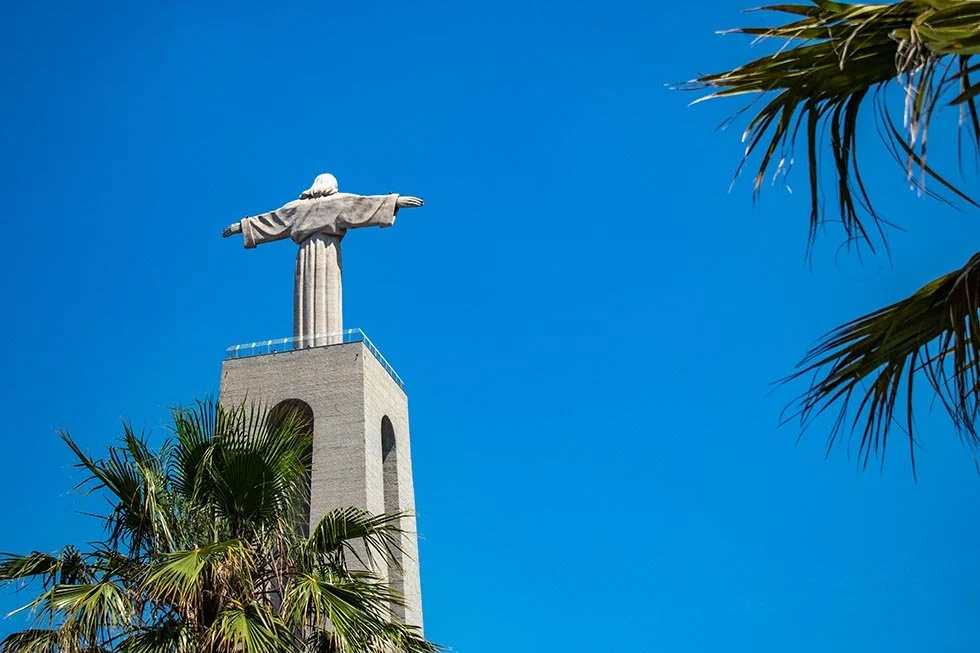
(282, 345)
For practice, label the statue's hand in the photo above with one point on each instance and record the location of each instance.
(408, 202)
(232, 229)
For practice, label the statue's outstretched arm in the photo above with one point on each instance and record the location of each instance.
(263, 228)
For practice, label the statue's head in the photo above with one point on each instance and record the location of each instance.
(323, 185)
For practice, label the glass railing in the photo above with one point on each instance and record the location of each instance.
(279, 345)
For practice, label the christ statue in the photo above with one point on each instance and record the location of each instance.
(317, 222)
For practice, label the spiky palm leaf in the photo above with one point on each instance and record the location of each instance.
(871, 363)
(333, 536)
(837, 57)
(203, 553)
(36, 640)
(834, 59)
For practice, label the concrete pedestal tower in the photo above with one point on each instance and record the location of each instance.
(361, 448)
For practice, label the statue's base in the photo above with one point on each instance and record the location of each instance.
(361, 446)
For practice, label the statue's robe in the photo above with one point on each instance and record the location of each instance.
(318, 225)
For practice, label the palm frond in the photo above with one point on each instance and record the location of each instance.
(834, 59)
(341, 530)
(870, 364)
(250, 628)
(91, 610)
(250, 466)
(166, 637)
(69, 567)
(16, 567)
(401, 637)
(181, 576)
(136, 480)
(353, 607)
(35, 640)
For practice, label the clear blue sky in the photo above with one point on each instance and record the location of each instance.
(587, 320)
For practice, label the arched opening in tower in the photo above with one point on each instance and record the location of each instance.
(389, 474)
(297, 415)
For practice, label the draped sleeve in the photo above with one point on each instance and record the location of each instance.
(274, 225)
(368, 211)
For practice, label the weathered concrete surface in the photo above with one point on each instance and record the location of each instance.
(350, 394)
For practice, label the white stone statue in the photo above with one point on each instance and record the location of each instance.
(317, 222)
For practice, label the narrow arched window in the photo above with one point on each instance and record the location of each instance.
(393, 501)
(387, 438)
(299, 417)
(389, 464)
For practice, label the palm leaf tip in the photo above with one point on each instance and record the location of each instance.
(834, 59)
(868, 368)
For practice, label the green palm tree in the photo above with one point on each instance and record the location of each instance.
(834, 60)
(206, 551)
